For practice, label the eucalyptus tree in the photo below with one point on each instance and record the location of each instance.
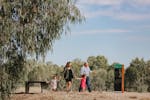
(30, 27)
(33, 25)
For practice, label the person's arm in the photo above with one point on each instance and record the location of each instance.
(90, 70)
(78, 78)
(48, 82)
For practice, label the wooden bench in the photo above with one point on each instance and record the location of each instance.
(27, 85)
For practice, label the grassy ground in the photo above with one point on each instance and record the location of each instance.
(49, 95)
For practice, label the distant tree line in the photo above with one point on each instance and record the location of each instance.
(137, 74)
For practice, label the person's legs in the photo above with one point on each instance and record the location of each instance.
(88, 83)
(66, 86)
(80, 88)
(69, 85)
(83, 89)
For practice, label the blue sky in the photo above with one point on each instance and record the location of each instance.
(117, 29)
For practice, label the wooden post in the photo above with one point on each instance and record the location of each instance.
(122, 85)
(26, 87)
(41, 87)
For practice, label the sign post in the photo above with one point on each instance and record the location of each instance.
(119, 77)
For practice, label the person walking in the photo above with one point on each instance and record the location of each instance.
(53, 83)
(85, 70)
(82, 82)
(68, 76)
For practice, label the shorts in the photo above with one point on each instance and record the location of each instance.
(68, 80)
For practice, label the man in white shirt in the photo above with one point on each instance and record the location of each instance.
(85, 70)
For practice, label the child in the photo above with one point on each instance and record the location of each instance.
(83, 82)
(53, 83)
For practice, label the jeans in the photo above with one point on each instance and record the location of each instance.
(87, 84)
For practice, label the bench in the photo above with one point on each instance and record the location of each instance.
(27, 85)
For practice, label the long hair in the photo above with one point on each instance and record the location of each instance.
(66, 66)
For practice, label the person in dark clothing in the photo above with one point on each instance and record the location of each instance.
(68, 76)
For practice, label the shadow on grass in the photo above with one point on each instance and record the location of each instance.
(133, 97)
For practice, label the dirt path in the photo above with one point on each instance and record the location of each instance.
(47, 95)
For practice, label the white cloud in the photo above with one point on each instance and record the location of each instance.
(115, 10)
(114, 2)
(102, 31)
(117, 15)
(97, 13)
(132, 16)
(101, 2)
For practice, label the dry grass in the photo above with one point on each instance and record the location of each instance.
(144, 99)
(49, 95)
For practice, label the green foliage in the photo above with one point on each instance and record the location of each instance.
(91, 60)
(37, 23)
(43, 72)
(131, 81)
(4, 84)
(136, 75)
(99, 79)
(147, 77)
(110, 80)
(97, 62)
(76, 66)
(10, 70)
